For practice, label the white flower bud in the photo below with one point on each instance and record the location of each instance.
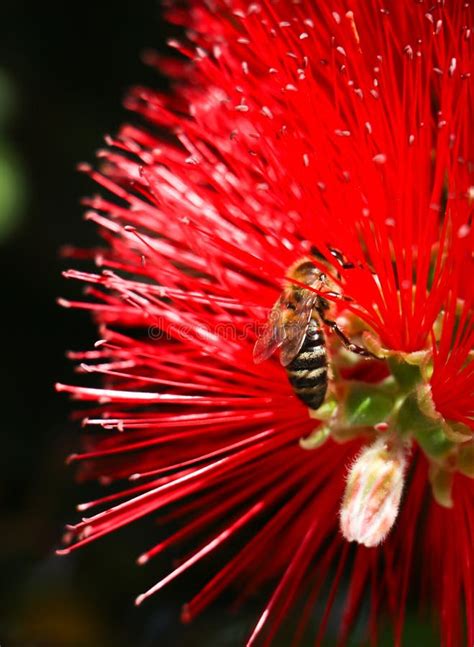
(373, 491)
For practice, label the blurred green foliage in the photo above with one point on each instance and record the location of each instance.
(13, 188)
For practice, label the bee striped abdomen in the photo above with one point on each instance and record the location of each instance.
(308, 372)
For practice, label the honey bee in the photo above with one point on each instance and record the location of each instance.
(294, 326)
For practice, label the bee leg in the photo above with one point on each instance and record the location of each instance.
(354, 348)
(341, 297)
(340, 258)
(346, 265)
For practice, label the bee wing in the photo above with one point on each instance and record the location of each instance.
(272, 336)
(295, 330)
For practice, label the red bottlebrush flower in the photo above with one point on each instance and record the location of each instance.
(321, 159)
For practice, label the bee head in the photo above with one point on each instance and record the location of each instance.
(304, 271)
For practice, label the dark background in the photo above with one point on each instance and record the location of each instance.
(63, 74)
(62, 77)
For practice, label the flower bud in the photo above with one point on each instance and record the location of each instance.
(373, 491)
